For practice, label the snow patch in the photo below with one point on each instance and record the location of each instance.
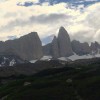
(76, 57)
(12, 62)
(88, 56)
(33, 61)
(64, 59)
(47, 58)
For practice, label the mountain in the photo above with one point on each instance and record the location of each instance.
(80, 48)
(27, 47)
(95, 47)
(10, 60)
(63, 48)
(60, 46)
(55, 48)
(47, 49)
(64, 43)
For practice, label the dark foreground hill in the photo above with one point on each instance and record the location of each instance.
(72, 81)
(28, 68)
(10, 60)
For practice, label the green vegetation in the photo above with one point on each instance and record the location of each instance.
(67, 83)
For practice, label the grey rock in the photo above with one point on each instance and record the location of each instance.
(64, 43)
(55, 49)
(80, 48)
(47, 50)
(10, 60)
(28, 47)
(95, 46)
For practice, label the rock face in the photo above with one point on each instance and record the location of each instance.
(10, 60)
(63, 47)
(59, 47)
(55, 48)
(64, 43)
(80, 48)
(95, 47)
(47, 49)
(27, 47)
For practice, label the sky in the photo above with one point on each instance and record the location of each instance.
(81, 18)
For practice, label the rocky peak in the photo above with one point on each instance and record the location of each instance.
(64, 43)
(62, 31)
(95, 46)
(28, 47)
(55, 49)
(32, 46)
(80, 48)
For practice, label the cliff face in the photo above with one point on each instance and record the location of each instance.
(28, 47)
(64, 43)
(95, 47)
(47, 50)
(60, 46)
(55, 48)
(80, 48)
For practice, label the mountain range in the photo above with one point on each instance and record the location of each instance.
(29, 47)
(52, 79)
(62, 46)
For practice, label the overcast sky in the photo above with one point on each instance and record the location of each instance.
(81, 18)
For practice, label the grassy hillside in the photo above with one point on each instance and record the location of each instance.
(68, 83)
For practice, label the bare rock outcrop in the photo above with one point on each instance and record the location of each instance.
(28, 47)
(64, 43)
(55, 48)
(47, 50)
(80, 48)
(95, 47)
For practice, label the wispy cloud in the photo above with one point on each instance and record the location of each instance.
(46, 19)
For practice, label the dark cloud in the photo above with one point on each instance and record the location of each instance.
(83, 36)
(41, 19)
(44, 19)
(26, 4)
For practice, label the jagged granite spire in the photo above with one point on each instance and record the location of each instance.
(55, 49)
(64, 43)
(80, 48)
(28, 47)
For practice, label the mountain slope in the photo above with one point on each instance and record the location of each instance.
(62, 46)
(67, 83)
(27, 47)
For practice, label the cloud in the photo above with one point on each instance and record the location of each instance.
(91, 0)
(46, 19)
(27, 3)
(41, 19)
